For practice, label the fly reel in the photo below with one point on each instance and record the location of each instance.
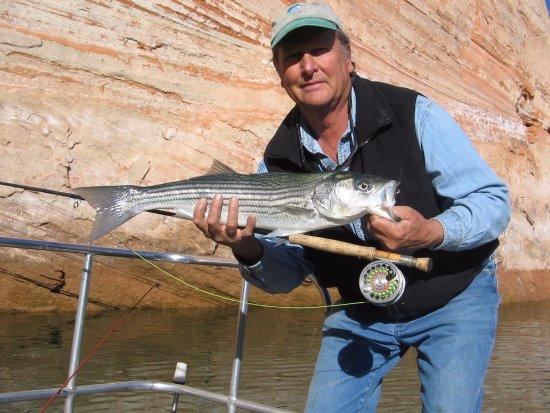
(382, 283)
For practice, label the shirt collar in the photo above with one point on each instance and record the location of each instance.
(307, 139)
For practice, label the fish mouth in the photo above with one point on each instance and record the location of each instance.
(385, 200)
(390, 190)
(388, 200)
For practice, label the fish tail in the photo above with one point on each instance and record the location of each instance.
(113, 206)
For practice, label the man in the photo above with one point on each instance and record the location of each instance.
(452, 207)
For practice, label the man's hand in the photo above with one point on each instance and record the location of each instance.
(412, 232)
(242, 242)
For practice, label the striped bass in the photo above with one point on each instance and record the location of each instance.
(283, 203)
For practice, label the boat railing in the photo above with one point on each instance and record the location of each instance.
(178, 387)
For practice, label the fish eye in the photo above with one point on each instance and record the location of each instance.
(365, 186)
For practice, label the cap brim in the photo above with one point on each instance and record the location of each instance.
(304, 22)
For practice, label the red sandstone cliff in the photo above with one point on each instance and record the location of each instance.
(137, 92)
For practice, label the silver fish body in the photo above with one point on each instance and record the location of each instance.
(284, 203)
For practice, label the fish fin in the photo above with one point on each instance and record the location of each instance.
(112, 207)
(182, 213)
(219, 167)
(302, 212)
(284, 232)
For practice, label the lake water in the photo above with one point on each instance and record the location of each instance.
(280, 351)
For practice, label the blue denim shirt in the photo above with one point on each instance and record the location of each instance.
(479, 213)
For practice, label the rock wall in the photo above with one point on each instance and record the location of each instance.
(136, 92)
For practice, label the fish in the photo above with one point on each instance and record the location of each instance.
(284, 203)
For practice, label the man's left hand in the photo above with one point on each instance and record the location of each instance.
(412, 232)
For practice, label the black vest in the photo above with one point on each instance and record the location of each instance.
(385, 117)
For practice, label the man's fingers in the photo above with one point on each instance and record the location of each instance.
(200, 209)
(403, 212)
(384, 230)
(199, 212)
(214, 213)
(250, 224)
(213, 224)
(228, 233)
(377, 223)
(232, 218)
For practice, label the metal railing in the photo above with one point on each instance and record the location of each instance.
(177, 388)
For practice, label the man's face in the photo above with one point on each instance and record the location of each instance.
(314, 67)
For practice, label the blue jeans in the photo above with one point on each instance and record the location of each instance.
(454, 345)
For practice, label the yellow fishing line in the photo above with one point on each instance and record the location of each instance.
(235, 300)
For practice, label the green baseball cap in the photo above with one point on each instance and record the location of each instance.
(301, 15)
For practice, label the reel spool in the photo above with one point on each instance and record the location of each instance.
(382, 283)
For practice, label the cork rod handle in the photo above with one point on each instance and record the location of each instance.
(368, 253)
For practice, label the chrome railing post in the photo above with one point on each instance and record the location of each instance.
(180, 375)
(239, 347)
(79, 328)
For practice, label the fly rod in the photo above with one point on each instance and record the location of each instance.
(69, 195)
(323, 244)
(368, 253)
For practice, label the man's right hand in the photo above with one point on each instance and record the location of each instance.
(242, 242)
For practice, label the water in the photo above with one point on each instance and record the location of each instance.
(280, 351)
